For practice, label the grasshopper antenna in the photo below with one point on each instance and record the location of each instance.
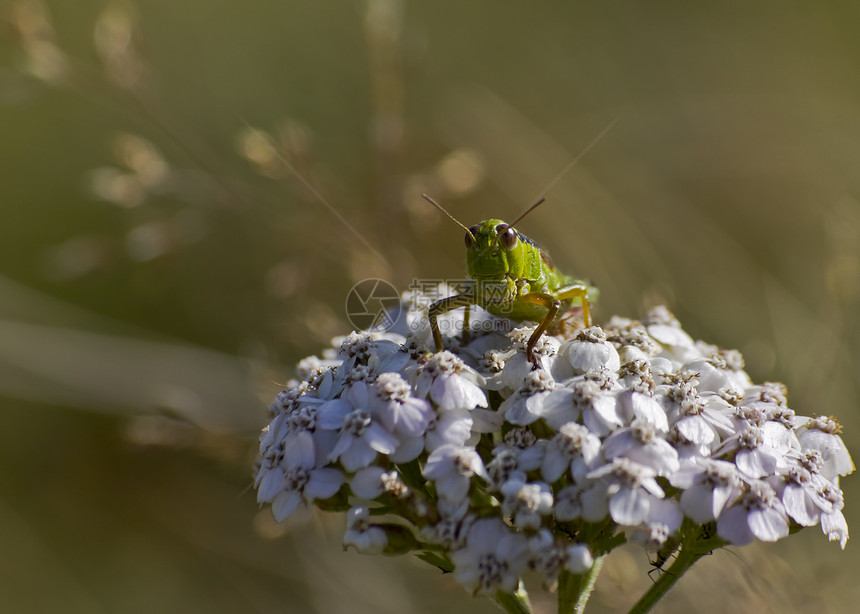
(453, 219)
(527, 211)
(514, 223)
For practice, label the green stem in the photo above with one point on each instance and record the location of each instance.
(514, 603)
(689, 553)
(574, 590)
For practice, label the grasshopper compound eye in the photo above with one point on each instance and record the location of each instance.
(470, 236)
(507, 236)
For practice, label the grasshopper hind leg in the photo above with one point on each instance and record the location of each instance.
(578, 291)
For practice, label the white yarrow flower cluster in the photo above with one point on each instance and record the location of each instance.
(496, 468)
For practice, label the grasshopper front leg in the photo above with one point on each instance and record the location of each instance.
(443, 306)
(553, 304)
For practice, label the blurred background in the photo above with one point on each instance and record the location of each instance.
(190, 189)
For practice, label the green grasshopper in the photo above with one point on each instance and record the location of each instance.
(512, 277)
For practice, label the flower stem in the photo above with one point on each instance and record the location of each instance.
(690, 552)
(574, 590)
(514, 603)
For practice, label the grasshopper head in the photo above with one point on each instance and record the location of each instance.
(492, 249)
